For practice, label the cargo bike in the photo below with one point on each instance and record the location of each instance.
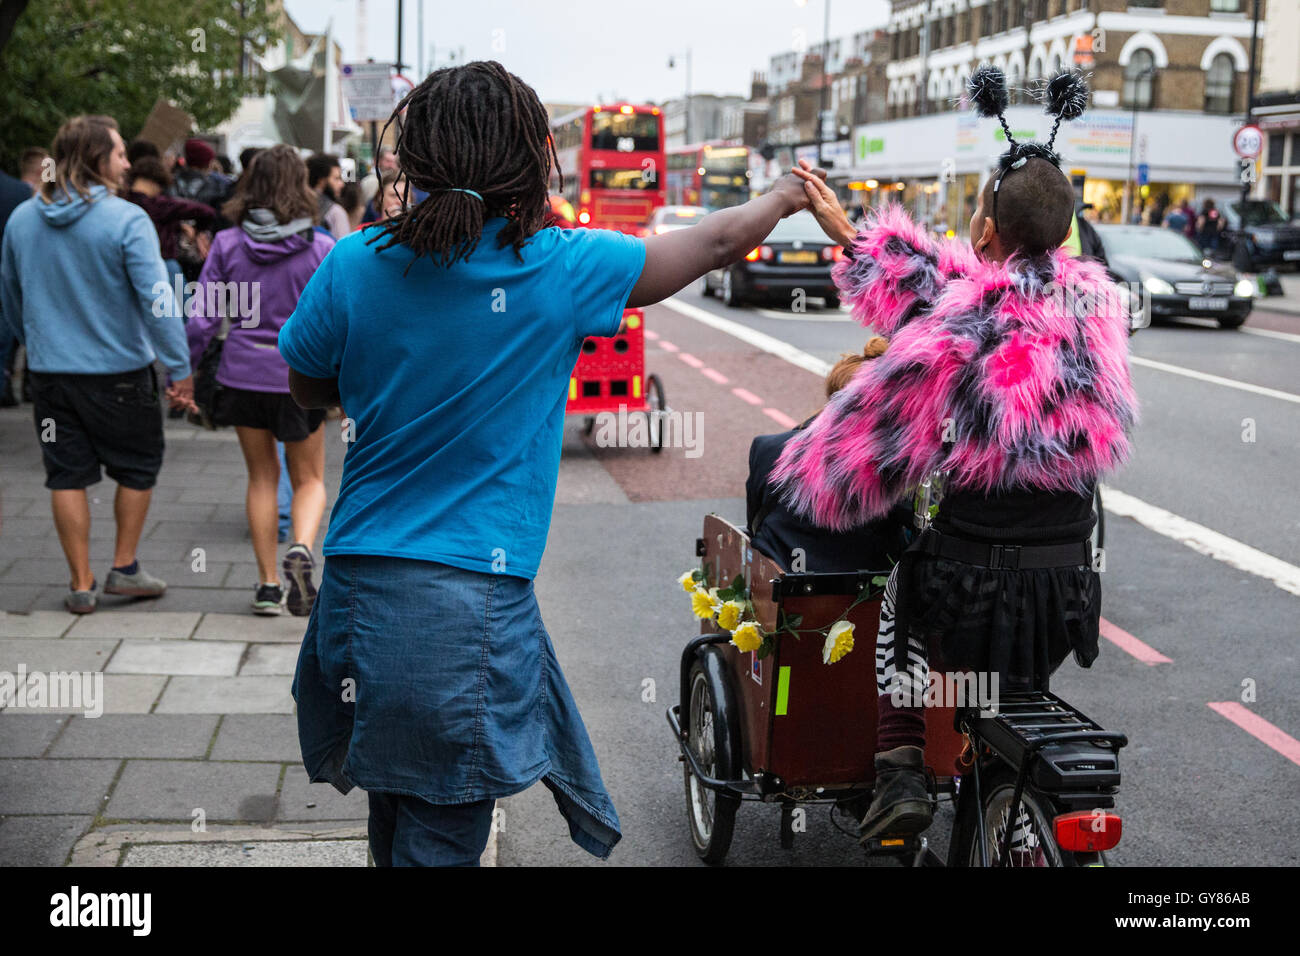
(786, 728)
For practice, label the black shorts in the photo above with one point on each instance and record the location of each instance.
(84, 422)
(275, 412)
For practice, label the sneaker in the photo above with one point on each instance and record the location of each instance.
(901, 805)
(82, 602)
(298, 566)
(140, 584)
(269, 600)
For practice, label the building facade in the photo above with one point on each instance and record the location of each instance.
(1277, 109)
(1169, 89)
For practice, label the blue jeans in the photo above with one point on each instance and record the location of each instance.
(408, 831)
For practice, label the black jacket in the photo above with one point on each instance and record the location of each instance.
(874, 546)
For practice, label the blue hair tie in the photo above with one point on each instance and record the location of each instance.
(457, 189)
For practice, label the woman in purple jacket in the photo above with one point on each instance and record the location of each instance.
(253, 276)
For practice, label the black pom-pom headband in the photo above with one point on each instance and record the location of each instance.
(1065, 97)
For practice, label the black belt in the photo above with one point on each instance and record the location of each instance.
(1008, 557)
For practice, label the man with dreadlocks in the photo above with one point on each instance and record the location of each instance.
(1007, 371)
(449, 332)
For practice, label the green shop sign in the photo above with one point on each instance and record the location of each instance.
(869, 146)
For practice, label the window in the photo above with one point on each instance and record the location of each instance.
(1218, 85)
(986, 19)
(1295, 149)
(1146, 3)
(1225, 6)
(1138, 76)
(1275, 146)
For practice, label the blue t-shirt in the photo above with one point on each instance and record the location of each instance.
(456, 379)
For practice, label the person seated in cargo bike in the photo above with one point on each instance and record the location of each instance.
(796, 543)
(1007, 370)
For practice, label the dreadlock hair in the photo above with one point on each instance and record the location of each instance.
(473, 127)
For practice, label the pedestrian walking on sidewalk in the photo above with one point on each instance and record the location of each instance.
(449, 332)
(83, 285)
(267, 261)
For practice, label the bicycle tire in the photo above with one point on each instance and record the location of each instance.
(998, 782)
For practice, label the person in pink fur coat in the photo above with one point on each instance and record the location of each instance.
(1007, 371)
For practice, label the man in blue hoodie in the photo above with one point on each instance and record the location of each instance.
(83, 286)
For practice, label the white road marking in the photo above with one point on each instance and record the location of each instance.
(1214, 379)
(821, 315)
(1203, 540)
(760, 340)
(1272, 334)
(1199, 538)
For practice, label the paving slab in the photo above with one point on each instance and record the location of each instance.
(270, 659)
(28, 734)
(167, 625)
(54, 654)
(43, 840)
(174, 789)
(108, 844)
(265, 853)
(153, 736)
(285, 629)
(35, 624)
(208, 658)
(264, 737)
(227, 695)
(301, 800)
(54, 786)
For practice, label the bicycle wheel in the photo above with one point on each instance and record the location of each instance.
(1033, 842)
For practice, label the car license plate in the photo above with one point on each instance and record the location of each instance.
(1291, 255)
(798, 258)
(1208, 305)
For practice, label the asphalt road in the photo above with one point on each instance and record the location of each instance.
(1198, 788)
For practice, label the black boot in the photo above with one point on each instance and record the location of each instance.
(901, 805)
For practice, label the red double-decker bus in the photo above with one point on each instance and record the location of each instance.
(613, 163)
(714, 175)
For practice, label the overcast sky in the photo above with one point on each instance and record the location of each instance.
(580, 50)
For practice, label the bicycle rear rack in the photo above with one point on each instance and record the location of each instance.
(1074, 752)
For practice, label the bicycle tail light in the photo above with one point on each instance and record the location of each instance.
(1088, 831)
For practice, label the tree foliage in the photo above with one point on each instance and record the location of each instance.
(68, 57)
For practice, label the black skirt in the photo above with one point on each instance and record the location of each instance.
(1019, 624)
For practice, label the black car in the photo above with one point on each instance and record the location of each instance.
(1174, 276)
(795, 255)
(1265, 237)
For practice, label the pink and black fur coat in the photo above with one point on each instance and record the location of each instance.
(1009, 375)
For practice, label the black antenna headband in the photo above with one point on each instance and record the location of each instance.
(1065, 97)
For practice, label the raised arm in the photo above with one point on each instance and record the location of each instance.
(676, 259)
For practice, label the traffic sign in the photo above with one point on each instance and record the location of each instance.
(1144, 174)
(368, 88)
(1248, 141)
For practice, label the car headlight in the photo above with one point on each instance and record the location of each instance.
(1244, 288)
(1157, 286)
(1262, 239)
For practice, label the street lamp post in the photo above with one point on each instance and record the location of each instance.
(825, 90)
(1250, 89)
(1130, 185)
(672, 65)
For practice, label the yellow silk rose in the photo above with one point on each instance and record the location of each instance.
(730, 614)
(687, 581)
(839, 641)
(747, 637)
(702, 605)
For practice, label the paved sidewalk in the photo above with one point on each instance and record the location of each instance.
(195, 759)
(1289, 302)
